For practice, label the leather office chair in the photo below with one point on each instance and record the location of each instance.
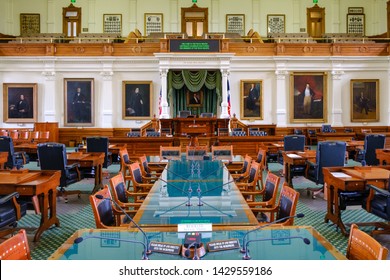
(293, 143)
(121, 196)
(16, 160)
(100, 144)
(371, 143)
(326, 128)
(207, 115)
(52, 156)
(11, 211)
(184, 114)
(286, 207)
(15, 247)
(329, 154)
(312, 136)
(103, 211)
(268, 193)
(378, 203)
(298, 131)
(362, 246)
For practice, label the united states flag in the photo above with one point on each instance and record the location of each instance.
(228, 96)
(159, 103)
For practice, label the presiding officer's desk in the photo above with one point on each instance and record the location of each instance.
(204, 184)
(102, 244)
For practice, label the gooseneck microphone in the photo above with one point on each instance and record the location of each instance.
(147, 252)
(247, 257)
(244, 243)
(144, 255)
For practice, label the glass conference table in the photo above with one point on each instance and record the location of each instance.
(195, 191)
(282, 243)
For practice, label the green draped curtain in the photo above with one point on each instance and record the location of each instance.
(180, 82)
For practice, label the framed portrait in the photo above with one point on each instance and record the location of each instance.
(79, 102)
(137, 99)
(30, 24)
(153, 23)
(356, 23)
(365, 100)
(112, 23)
(20, 102)
(276, 23)
(235, 24)
(251, 99)
(194, 99)
(308, 97)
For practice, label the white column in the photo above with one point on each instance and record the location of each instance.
(50, 104)
(164, 92)
(224, 104)
(104, 97)
(335, 99)
(281, 97)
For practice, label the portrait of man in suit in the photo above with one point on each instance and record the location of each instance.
(79, 102)
(194, 99)
(20, 105)
(136, 100)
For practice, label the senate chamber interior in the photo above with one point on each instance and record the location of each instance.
(203, 129)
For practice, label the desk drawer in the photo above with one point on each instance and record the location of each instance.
(25, 190)
(354, 186)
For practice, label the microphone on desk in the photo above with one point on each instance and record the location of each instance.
(147, 251)
(244, 243)
(247, 257)
(144, 254)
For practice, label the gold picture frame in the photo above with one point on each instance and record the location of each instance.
(235, 23)
(251, 99)
(30, 24)
(20, 102)
(308, 97)
(153, 23)
(79, 102)
(112, 23)
(137, 99)
(364, 100)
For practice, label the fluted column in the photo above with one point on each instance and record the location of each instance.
(335, 98)
(104, 114)
(281, 97)
(224, 104)
(164, 90)
(50, 104)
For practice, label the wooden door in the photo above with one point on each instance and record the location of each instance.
(71, 21)
(194, 21)
(316, 21)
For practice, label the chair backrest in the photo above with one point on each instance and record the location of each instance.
(294, 142)
(144, 166)
(166, 131)
(253, 173)
(298, 131)
(287, 205)
(184, 114)
(329, 154)
(16, 247)
(246, 165)
(271, 188)
(362, 246)
(118, 189)
(222, 152)
(207, 115)
(99, 144)
(311, 132)
(171, 153)
(371, 143)
(196, 152)
(52, 156)
(223, 131)
(102, 209)
(136, 173)
(238, 133)
(326, 128)
(7, 145)
(261, 158)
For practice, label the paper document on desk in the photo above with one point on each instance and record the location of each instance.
(293, 156)
(340, 175)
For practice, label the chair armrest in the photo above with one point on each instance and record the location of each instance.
(8, 197)
(137, 193)
(73, 165)
(265, 210)
(379, 190)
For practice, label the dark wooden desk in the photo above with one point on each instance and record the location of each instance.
(94, 160)
(42, 184)
(348, 179)
(3, 159)
(336, 136)
(295, 158)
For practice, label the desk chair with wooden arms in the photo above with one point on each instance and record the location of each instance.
(378, 203)
(196, 152)
(103, 212)
(262, 160)
(362, 246)
(149, 171)
(286, 207)
(170, 153)
(248, 186)
(268, 193)
(11, 211)
(52, 156)
(125, 166)
(16, 160)
(16, 247)
(222, 152)
(371, 143)
(140, 187)
(241, 173)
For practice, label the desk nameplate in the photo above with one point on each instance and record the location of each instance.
(165, 248)
(223, 245)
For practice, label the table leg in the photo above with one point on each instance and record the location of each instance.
(98, 178)
(334, 214)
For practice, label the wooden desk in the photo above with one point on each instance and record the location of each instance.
(95, 160)
(335, 136)
(348, 179)
(295, 158)
(3, 159)
(29, 148)
(383, 155)
(42, 184)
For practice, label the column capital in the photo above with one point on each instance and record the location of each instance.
(49, 75)
(337, 74)
(225, 72)
(163, 72)
(281, 74)
(107, 75)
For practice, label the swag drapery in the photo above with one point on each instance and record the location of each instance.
(184, 82)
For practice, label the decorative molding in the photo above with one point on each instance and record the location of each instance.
(49, 75)
(337, 74)
(107, 75)
(281, 74)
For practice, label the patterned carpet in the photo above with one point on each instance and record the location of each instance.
(77, 214)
